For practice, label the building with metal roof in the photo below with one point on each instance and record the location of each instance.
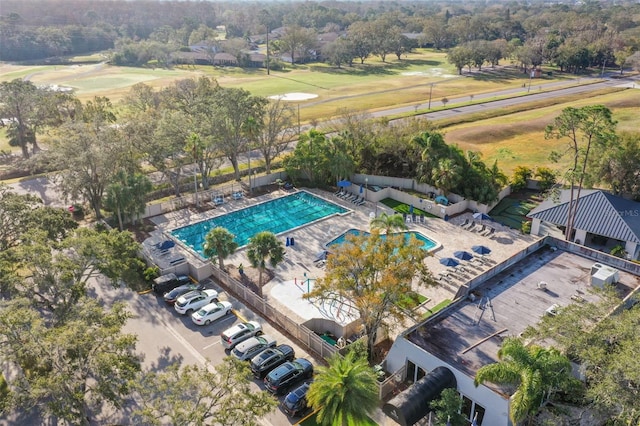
(601, 217)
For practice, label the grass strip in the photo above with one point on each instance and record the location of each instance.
(411, 300)
(403, 208)
(440, 306)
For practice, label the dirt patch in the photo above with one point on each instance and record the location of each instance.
(495, 133)
(250, 277)
(142, 230)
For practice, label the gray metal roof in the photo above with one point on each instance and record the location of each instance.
(599, 213)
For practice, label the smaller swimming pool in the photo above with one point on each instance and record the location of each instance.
(427, 243)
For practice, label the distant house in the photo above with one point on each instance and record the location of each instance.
(257, 60)
(204, 46)
(225, 59)
(603, 219)
(195, 58)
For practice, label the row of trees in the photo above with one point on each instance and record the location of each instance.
(367, 146)
(96, 149)
(570, 37)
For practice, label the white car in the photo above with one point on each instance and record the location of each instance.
(194, 300)
(239, 333)
(253, 346)
(211, 312)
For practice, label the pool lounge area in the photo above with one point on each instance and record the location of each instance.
(278, 215)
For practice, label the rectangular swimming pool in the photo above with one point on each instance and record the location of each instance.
(278, 215)
(427, 243)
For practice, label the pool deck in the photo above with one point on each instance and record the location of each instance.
(285, 291)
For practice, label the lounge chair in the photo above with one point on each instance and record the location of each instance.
(357, 199)
(481, 230)
(350, 197)
(414, 218)
(238, 195)
(344, 194)
(470, 226)
(338, 192)
(465, 223)
(361, 202)
(218, 199)
(489, 233)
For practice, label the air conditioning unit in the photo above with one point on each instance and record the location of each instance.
(542, 285)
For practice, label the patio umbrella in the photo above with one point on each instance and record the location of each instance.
(481, 216)
(482, 250)
(344, 183)
(463, 255)
(411, 209)
(361, 188)
(449, 261)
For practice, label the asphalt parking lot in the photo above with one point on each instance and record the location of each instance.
(166, 336)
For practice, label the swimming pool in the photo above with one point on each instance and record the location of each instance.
(427, 243)
(277, 215)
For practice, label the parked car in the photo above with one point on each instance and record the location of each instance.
(270, 358)
(211, 312)
(295, 403)
(173, 295)
(253, 346)
(194, 300)
(239, 333)
(168, 282)
(281, 379)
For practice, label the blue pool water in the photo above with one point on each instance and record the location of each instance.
(278, 215)
(427, 244)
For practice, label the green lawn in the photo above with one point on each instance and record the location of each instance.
(404, 208)
(412, 300)
(440, 306)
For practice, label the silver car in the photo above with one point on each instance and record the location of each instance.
(194, 300)
(253, 346)
(239, 333)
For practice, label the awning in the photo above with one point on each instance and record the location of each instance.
(413, 404)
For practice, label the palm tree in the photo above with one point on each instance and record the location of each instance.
(536, 372)
(388, 222)
(345, 392)
(446, 175)
(262, 246)
(219, 242)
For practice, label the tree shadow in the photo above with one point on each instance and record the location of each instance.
(166, 359)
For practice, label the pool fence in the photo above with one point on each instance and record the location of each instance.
(305, 336)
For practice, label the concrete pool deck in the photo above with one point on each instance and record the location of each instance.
(310, 240)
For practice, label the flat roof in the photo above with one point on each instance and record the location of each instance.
(470, 334)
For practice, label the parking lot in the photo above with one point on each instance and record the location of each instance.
(165, 337)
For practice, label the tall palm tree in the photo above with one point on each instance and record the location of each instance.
(345, 392)
(388, 222)
(536, 373)
(446, 175)
(219, 242)
(262, 246)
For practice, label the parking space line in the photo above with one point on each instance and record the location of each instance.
(217, 342)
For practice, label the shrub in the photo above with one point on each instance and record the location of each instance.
(519, 178)
(526, 227)
(618, 251)
(151, 273)
(546, 178)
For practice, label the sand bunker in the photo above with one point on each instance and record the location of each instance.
(294, 96)
(432, 72)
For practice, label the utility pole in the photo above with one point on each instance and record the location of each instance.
(430, 92)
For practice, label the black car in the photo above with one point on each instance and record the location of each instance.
(295, 403)
(281, 379)
(270, 358)
(173, 295)
(168, 282)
